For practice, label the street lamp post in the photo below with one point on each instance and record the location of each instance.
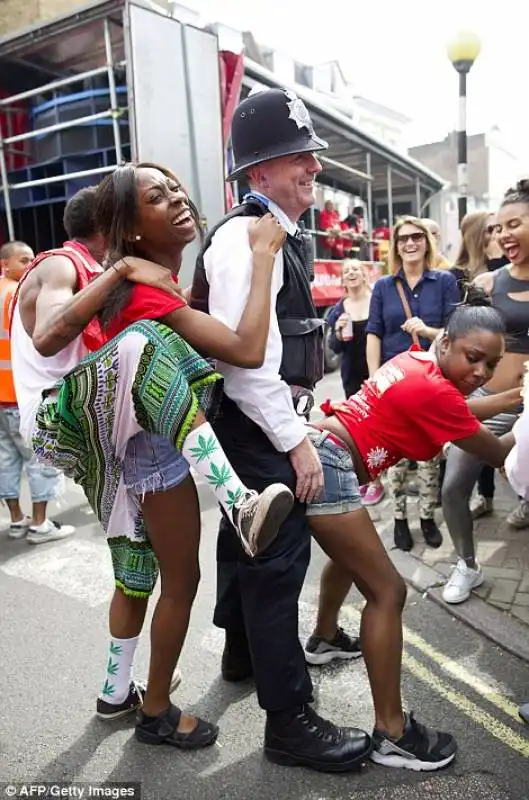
(462, 52)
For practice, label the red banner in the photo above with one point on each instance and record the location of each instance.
(231, 75)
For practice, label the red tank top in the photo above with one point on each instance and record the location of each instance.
(87, 268)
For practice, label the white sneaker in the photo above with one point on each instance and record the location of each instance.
(519, 518)
(49, 531)
(482, 507)
(461, 582)
(17, 530)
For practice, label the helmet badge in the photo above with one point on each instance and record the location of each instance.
(298, 112)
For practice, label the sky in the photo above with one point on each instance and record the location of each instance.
(395, 53)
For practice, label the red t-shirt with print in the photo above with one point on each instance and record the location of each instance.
(408, 409)
(145, 302)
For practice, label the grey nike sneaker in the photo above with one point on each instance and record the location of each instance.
(420, 748)
(320, 651)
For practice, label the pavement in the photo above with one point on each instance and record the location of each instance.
(53, 634)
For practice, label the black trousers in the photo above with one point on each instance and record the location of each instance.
(260, 595)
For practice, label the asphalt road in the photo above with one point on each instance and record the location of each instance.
(53, 634)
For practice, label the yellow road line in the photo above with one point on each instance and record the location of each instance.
(496, 728)
(460, 673)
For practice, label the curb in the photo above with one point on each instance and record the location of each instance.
(498, 626)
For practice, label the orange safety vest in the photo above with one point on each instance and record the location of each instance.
(7, 387)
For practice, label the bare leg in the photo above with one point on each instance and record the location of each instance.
(14, 509)
(352, 542)
(126, 615)
(39, 513)
(335, 583)
(172, 519)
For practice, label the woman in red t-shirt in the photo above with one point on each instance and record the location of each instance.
(412, 406)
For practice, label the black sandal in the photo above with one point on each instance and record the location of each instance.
(163, 730)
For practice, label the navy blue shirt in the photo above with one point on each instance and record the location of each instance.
(433, 299)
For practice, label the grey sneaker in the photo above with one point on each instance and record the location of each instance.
(481, 507)
(519, 518)
(258, 517)
(49, 531)
(321, 651)
(420, 748)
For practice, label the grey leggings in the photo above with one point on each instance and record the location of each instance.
(462, 472)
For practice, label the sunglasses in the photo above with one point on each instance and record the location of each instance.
(402, 238)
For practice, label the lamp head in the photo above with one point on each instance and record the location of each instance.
(463, 50)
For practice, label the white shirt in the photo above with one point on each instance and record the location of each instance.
(260, 393)
(517, 462)
(33, 373)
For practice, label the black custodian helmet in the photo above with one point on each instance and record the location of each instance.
(269, 124)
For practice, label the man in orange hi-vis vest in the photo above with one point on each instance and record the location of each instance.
(15, 456)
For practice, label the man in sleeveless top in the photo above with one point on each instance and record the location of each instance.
(261, 427)
(45, 482)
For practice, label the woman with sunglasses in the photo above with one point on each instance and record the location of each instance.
(411, 305)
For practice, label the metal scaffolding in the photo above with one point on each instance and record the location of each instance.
(115, 112)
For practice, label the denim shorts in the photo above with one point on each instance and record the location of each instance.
(45, 483)
(341, 491)
(152, 464)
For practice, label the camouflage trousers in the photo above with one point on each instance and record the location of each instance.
(428, 480)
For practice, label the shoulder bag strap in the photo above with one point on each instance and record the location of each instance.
(407, 309)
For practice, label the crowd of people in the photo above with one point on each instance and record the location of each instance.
(122, 380)
(348, 237)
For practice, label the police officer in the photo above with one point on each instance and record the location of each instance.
(261, 427)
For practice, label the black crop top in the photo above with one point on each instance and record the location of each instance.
(514, 312)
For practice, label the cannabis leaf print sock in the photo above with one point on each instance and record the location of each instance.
(202, 450)
(119, 670)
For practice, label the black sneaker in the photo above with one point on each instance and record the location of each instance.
(303, 738)
(133, 701)
(258, 517)
(323, 651)
(420, 748)
(432, 535)
(402, 535)
(236, 664)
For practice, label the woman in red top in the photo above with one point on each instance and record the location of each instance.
(412, 406)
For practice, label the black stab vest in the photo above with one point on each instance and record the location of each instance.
(300, 328)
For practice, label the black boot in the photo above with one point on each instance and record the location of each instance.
(236, 664)
(402, 535)
(432, 534)
(301, 737)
